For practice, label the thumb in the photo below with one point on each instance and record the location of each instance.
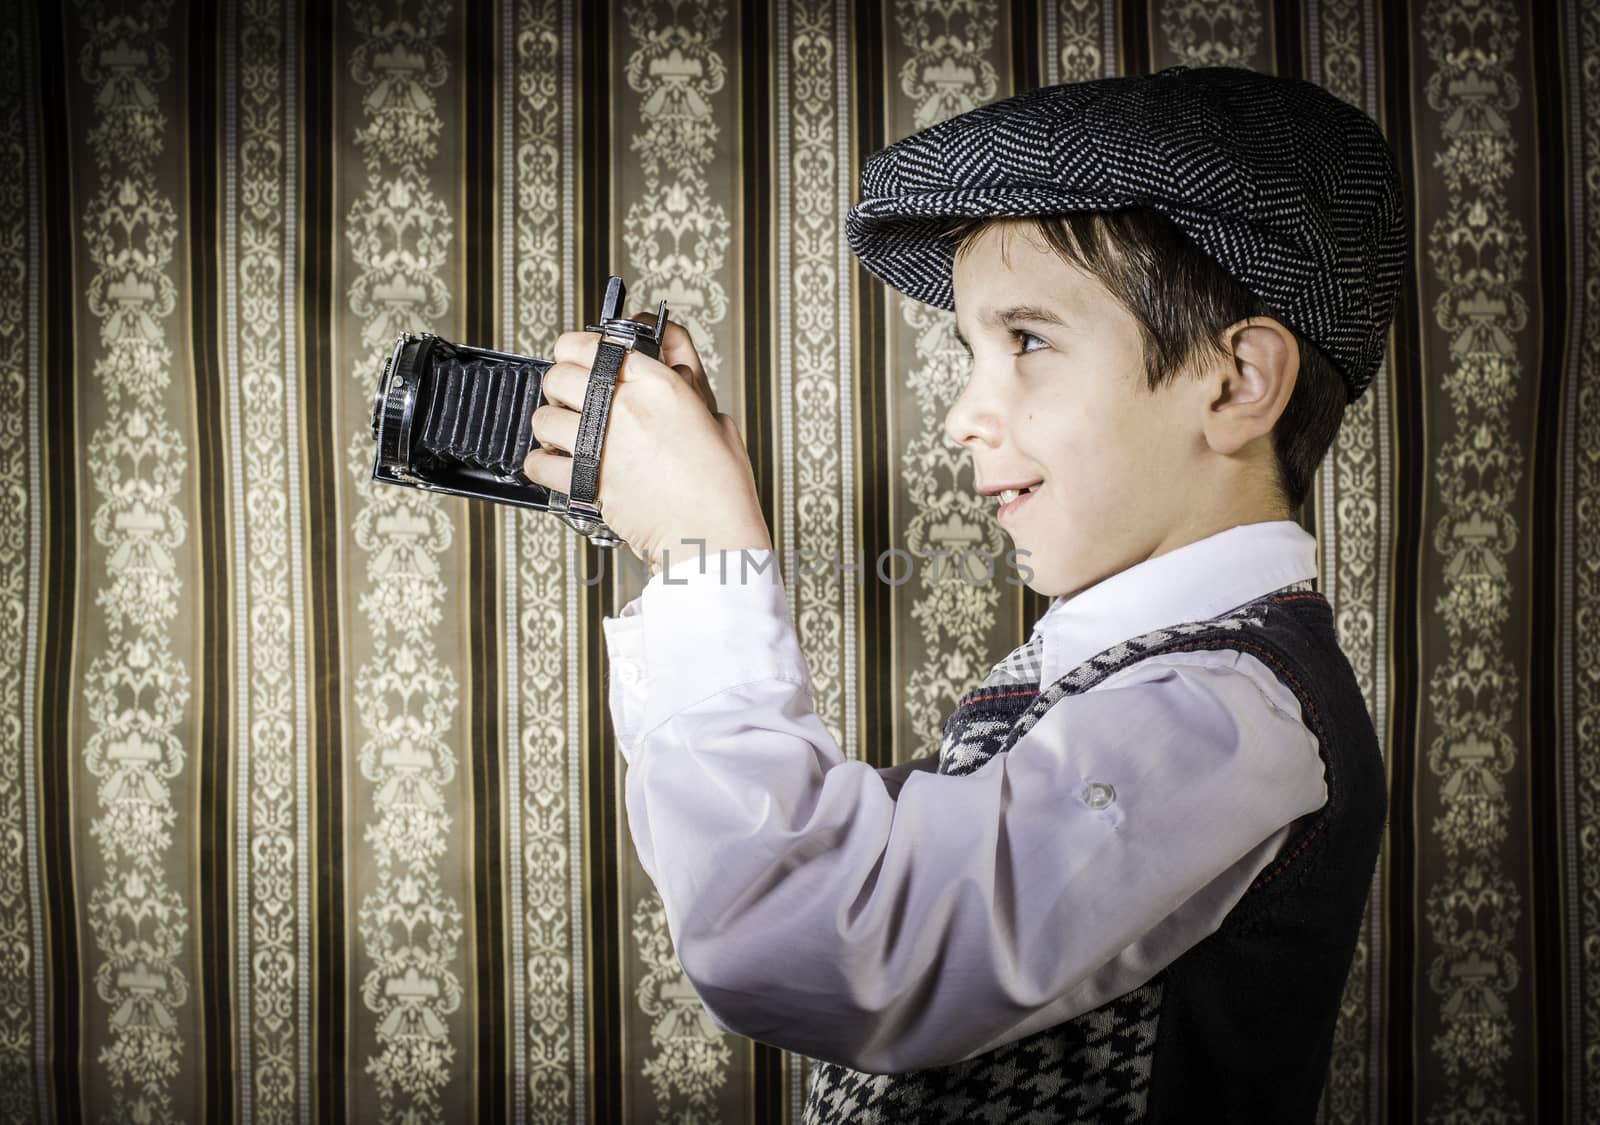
(678, 350)
(679, 353)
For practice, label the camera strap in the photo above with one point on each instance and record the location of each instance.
(608, 359)
(580, 503)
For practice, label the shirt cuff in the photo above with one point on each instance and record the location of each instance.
(701, 626)
(624, 635)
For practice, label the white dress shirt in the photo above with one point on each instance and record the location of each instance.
(896, 919)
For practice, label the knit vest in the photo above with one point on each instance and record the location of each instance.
(1239, 1028)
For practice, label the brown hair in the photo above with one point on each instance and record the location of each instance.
(1182, 300)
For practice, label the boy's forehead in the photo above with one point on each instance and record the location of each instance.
(995, 284)
(1008, 237)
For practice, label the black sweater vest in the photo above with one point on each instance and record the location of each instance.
(1239, 1028)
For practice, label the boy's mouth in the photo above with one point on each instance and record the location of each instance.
(1013, 498)
(1007, 495)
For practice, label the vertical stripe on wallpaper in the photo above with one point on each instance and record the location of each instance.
(312, 251)
(1580, 572)
(814, 373)
(209, 805)
(591, 117)
(516, 998)
(1471, 977)
(1407, 444)
(403, 816)
(947, 563)
(868, 503)
(139, 1035)
(1353, 527)
(61, 1012)
(676, 175)
(269, 668)
(1559, 286)
(542, 698)
(295, 558)
(752, 160)
(579, 939)
(21, 956)
(479, 622)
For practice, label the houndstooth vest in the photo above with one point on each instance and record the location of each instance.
(1240, 1026)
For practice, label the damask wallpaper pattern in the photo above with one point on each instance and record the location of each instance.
(308, 794)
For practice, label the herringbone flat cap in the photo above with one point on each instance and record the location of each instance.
(1290, 189)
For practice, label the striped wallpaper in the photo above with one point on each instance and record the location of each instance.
(308, 797)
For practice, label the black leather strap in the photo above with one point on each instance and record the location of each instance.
(592, 421)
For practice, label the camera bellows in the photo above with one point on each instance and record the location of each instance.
(480, 413)
(457, 419)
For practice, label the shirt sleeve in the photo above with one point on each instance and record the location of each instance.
(894, 920)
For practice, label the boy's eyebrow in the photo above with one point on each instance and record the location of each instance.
(1035, 313)
(1012, 314)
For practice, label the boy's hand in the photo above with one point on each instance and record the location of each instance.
(672, 469)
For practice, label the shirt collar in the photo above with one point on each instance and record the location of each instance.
(1195, 582)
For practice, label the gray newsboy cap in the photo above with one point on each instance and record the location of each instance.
(1290, 189)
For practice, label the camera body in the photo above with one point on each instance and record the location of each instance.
(454, 418)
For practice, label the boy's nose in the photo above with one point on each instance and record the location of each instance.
(971, 416)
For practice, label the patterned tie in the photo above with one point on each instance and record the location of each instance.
(1021, 666)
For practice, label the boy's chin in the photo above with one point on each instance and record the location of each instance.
(1046, 582)
(1064, 575)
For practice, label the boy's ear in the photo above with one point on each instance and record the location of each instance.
(1252, 384)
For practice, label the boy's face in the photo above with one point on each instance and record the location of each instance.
(1057, 398)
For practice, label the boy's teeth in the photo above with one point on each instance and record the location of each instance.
(1009, 494)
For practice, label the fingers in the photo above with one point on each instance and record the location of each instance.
(574, 355)
(576, 347)
(676, 346)
(579, 347)
(565, 384)
(549, 469)
(555, 427)
(567, 379)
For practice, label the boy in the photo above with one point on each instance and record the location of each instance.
(1128, 887)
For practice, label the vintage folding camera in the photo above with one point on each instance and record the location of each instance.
(455, 418)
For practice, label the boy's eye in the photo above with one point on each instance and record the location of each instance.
(1027, 341)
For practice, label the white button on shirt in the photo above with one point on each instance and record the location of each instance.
(900, 918)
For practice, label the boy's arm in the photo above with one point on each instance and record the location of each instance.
(813, 909)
